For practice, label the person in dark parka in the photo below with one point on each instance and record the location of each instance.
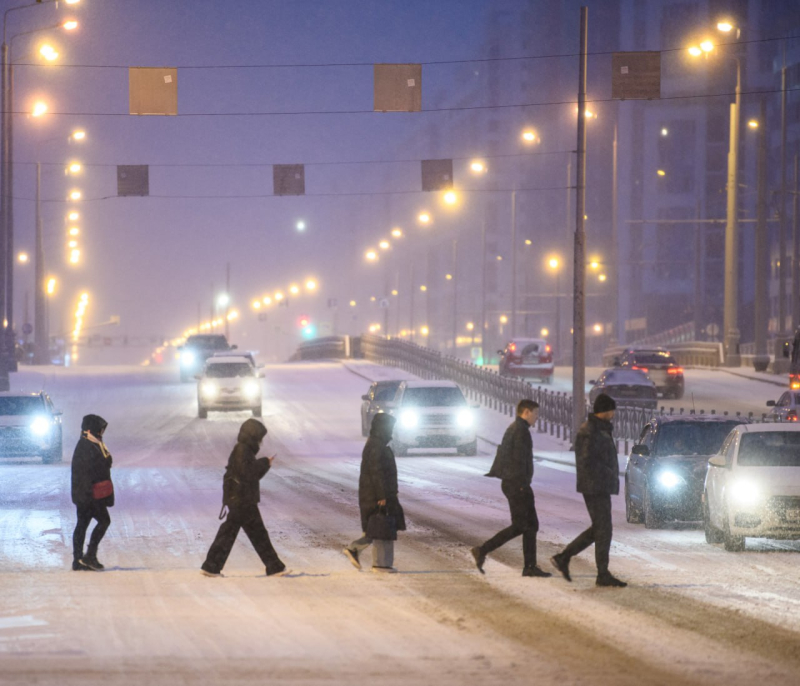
(241, 494)
(513, 464)
(597, 472)
(377, 488)
(91, 465)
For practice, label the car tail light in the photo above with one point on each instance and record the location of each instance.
(675, 370)
(791, 416)
(794, 381)
(512, 347)
(641, 369)
(548, 349)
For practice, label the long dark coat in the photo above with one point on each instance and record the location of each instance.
(596, 463)
(514, 459)
(90, 465)
(378, 480)
(244, 469)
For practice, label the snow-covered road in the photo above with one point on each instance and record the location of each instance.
(692, 614)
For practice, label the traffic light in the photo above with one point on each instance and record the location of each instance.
(303, 321)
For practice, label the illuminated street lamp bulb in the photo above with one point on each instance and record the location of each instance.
(73, 244)
(449, 277)
(48, 52)
(383, 245)
(371, 255)
(544, 333)
(394, 292)
(424, 331)
(661, 172)
(602, 277)
(423, 288)
(74, 231)
(553, 263)
(499, 258)
(301, 226)
(352, 303)
(278, 296)
(424, 218)
(598, 328)
(503, 319)
(39, 109)
(51, 286)
(22, 258)
(694, 51)
(75, 195)
(470, 326)
(311, 285)
(294, 289)
(223, 300)
(665, 131)
(256, 304)
(74, 168)
(478, 167)
(71, 2)
(724, 26)
(397, 233)
(594, 264)
(529, 136)
(266, 300)
(706, 46)
(450, 197)
(73, 216)
(528, 241)
(753, 123)
(69, 25)
(372, 299)
(79, 135)
(75, 256)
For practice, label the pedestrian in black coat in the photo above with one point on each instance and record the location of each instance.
(597, 473)
(513, 464)
(241, 493)
(92, 491)
(377, 492)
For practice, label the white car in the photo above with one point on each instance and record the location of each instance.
(752, 486)
(433, 414)
(229, 383)
(30, 426)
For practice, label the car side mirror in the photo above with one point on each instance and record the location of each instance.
(365, 397)
(592, 381)
(642, 450)
(770, 403)
(500, 352)
(718, 461)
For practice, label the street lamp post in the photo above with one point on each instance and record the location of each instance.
(41, 337)
(731, 310)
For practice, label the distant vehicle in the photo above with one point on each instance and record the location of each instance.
(228, 384)
(529, 358)
(752, 486)
(628, 387)
(660, 366)
(785, 408)
(30, 426)
(379, 398)
(667, 467)
(434, 414)
(197, 350)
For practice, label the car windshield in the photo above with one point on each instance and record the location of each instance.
(530, 349)
(209, 342)
(770, 449)
(629, 377)
(653, 358)
(229, 370)
(692, 438)
(21, 405)
(384, 393)
(441, 396)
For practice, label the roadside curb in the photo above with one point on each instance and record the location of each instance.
(745, 376)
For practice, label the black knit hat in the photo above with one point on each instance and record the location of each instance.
(604, 403)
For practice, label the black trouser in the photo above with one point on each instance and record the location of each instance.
(86, 513)
(249, 519)
(599, 533)
(523, 522)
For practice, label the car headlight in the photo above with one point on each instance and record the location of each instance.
(745, 493)
(465, 419)
(409, 419)
(40, 426)
(669, 479)
(187, 358)
(209, 389)
(251, 389)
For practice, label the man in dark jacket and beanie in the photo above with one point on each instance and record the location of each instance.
(92, 491)
(597, 471)
(241, 493)
(514, 466)
(377, 490)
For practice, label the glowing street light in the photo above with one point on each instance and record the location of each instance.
(544, 333)
(256, 304)
(424, 331)
(394, 291)
(503, 319)
(278, 296)
(50, 286)
(75, 195)
(665, 131)
(450, 198)
(602, 277)
(311, 285)
(423, 288)
(694, 51)
(294, 289)
(23, 258)
(384, 245)
(470, 326)
(477, 166)
(48, 52)
(74, 231)
(300, 226)
(371, 255)
(223, 300)
(529, 136)
(69, 25)
(73, 216)
(78, 135)
(553, 263)
(449, 277)
(72, 244)
(74, 167)
(266, 300)
(352, 303)
(397, 233)
(724, 26)
(753, 123)
(706, 46)
(661, 172)
(424, 218)
(39, 109)
(74, 256)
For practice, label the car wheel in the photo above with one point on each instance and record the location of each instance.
(400, 449)
(733, 544)
(470, 449)
(632, 515)
(202, 413)
(257, 411)
(713, 535)
(678, 394)
(652, 519)
(55, 453)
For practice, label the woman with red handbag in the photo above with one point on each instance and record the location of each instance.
(92, 491)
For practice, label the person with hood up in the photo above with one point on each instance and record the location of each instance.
(377, 491)
(92, 491)
(241, 494)
(513, 464)
(597, 471)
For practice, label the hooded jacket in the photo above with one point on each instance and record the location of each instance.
(378, 479)
(596, 464)
(514, 459)
(244, 470)
(91, 463)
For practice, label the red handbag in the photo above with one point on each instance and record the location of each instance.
(102, 489)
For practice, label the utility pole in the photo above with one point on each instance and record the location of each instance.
(513, 264)
(227, 301)
(781, 363)
(730, 327)
(761, 359)
(579, 259)
(41, 343)
(411, 297)
(483, 290)
(796, 248)
(455, 297)
(613, 275)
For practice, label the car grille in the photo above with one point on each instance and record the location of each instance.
(786, 508)
(436, 420)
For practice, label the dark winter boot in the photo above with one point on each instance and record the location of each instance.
(276, 569)
(352, 555)
(90, 560)
(608, 579)
(561, 563)
(535, 571)
(480, 558)
(207, 571)
(78, 566)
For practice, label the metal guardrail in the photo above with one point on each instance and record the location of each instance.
(324, 348)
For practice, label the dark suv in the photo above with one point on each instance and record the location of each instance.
(660, 366)
(197, 349)
(667, 467)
